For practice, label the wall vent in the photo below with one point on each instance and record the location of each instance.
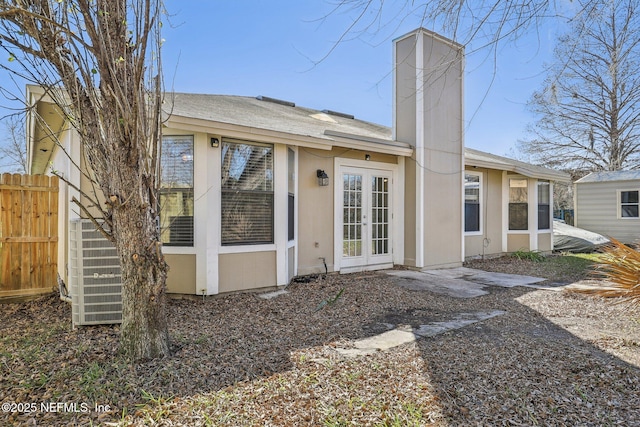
(96, 281)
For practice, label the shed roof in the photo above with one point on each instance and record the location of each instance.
(609, 176)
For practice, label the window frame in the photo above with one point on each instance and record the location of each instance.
(620, 204)
(516, 204)
(267, 194)
(164, 191)
(480, 229)
(548, 205)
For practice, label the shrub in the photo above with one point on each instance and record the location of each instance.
(619, 265)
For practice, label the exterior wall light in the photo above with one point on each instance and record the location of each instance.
(323, 178)
(215, 142)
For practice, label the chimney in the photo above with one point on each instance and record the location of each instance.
(428, 114)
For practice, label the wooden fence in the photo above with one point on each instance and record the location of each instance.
(28, 234)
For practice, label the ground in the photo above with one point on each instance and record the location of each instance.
(553, 358)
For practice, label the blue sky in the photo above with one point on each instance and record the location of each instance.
(283, 49)
(271, 48)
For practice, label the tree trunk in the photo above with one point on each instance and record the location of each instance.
(144, 332)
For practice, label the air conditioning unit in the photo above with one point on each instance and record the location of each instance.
(96, 280)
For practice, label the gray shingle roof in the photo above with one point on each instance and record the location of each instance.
(481, 159)
(252, 112)
(607, 176)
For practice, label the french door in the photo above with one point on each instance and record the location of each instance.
(365, 219)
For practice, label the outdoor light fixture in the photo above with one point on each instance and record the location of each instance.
(215, 142)
(367, 157)
(323, 178)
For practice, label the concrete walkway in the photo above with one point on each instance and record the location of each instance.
(459, 282)
(455, 282)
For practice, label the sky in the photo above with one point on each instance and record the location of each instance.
(283, 49)
(291, 50)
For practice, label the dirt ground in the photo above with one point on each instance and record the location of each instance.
(552, 358)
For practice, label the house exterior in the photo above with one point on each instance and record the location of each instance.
(607, 203)
(255, 191)
(508, 205)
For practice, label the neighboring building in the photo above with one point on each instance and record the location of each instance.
(256, 191)
(607, 203)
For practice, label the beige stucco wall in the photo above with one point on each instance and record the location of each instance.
(429, 115)
(491, 217)
(410, 213)
(182, 274)
(249, 270)
(315, 212)
(443, 212)
(404, 101)
(545, 242)
(517, 242)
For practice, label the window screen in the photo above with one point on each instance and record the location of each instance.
(176, 191)
(518, 204)
(247, 193)
(544, 207)
(471, 202)
(629, 204)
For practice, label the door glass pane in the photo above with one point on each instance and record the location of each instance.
(379, 221)
(352, 215)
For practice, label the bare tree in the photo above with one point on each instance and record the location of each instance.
(100, 62)
(13, 151)
(588, 107)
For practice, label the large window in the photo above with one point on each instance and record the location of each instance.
(247, 193)
(544, 206)
(518, 204)
(629, 204)
(176, 191)
(472, 207)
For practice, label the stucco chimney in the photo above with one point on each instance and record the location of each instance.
(428, 114)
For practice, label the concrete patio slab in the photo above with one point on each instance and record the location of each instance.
(405, 334)
(459, 282)
(423, 281)
(460, 321)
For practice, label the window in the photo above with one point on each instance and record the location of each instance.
(472, 202)
(247, 193)
(176, 191)
(544, 209)
(518, 204)
(291, 163)
(629, 204)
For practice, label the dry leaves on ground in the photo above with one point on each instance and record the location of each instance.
(242, 360)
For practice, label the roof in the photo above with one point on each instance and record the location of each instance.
(257, 115)
(486, 160)
(609, 176)
(271, 120)
(254, 115)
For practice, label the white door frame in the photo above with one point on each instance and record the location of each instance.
(396, 194)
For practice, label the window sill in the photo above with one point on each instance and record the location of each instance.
(246, 248)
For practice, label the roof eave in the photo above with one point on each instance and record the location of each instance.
(550, 174)
(327, 142)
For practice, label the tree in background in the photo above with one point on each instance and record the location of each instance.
(589, 105)
(13, 151)
(99, 60)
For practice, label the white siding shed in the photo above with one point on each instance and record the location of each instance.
(608, 203)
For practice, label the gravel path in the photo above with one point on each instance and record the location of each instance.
(552, 359)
